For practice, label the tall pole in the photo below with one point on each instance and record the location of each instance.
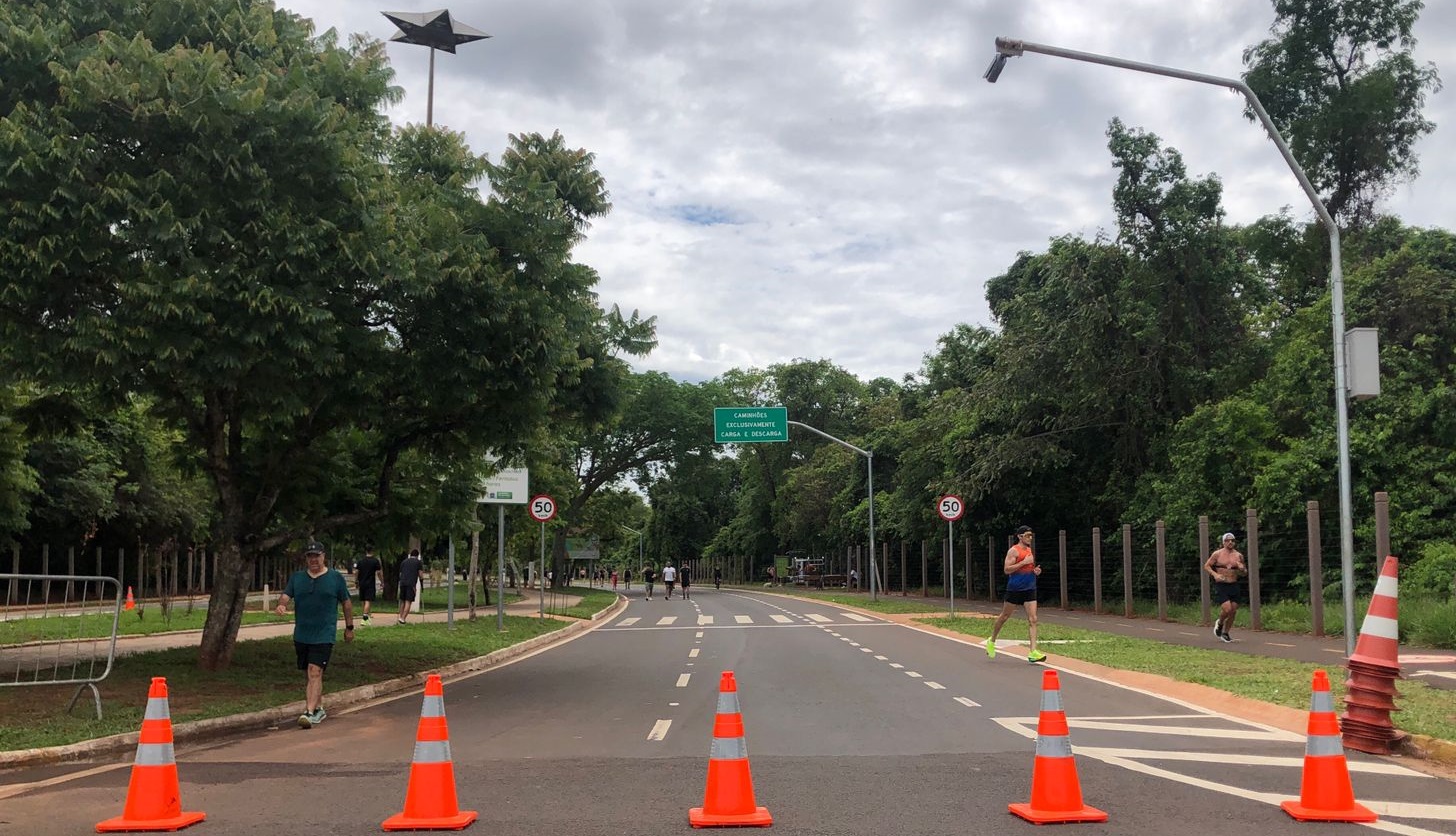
(1006, 47)
(541, 570)
(500, 566)
(870, 466)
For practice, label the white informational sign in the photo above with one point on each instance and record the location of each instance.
(950, 508)
(509, 486)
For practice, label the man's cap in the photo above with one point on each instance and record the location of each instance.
(314, 547)
(1025, 529)
(1228, 535)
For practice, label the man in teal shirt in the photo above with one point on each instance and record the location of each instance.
(316, 593)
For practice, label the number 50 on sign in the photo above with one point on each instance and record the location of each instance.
(950, 508)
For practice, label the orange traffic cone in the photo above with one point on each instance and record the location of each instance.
(1325, 793)
(1378, 647)
(153, 798)
(728, 801)
(130, 601)
(1056, 794)
(430, 802)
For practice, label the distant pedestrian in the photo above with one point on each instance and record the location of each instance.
(409, 577)
(366, 571)
(854, 579)
(772, 575)
(717, 577)
(614, 580)
(316, 592)
(685, 579)
(1225, 564)
(1021, 573)
(648, 576)
(627, 577)
(669, 578)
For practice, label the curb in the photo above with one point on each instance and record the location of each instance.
(214, 727)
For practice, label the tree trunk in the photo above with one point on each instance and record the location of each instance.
(225, 608)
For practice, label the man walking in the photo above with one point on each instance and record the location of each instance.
(669, 577)
(1225, 565)
(365, 572)
(1021, 573)
(316, 592)
(717, 577)
(409, 577)
(648, 576)
(685, 579)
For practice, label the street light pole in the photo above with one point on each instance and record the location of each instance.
(870, 475)
(435, 30)
(1010, 47)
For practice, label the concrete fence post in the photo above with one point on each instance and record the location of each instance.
(1204, 615)
(1096, 570)
(1316, 568)
(1126, 571)
(1160, 535)
(1251, 520)
(924, 570)
(1062, 562)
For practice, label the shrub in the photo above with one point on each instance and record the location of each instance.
(1433, 575)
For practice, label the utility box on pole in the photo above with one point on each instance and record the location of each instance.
(1362, 363)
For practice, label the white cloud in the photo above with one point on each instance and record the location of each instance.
(832, 178)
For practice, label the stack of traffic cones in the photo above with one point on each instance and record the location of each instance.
(1056, 794)
(1370, 691)
(729, 800)
(130, 601)
(1325, 793)
(430, 802)
(153, 798)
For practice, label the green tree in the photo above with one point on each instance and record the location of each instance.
(1338, 79)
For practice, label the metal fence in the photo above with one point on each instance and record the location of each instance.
(59, 630)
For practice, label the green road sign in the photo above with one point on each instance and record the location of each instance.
(749, 424)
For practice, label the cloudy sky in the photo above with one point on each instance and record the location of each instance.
(832, 178)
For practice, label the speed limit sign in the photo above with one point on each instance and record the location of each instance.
(950, 508)
(543, 508)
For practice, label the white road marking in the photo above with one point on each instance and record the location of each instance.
(912, 674)
(865, 650)
(967, 702)
(666, 620)
(743, 619)
(816, 617)
(881, 658)
(896, 665)
(846, 639)
(1371, 767)
(1278, 644)
(699, 635)
(692, 654)
(626, 622)
(659, 730)
(1442, 674)
(854, 616)
(782, 619)
(682, 680)
(705, 619)
(854, 644)
(936, 685)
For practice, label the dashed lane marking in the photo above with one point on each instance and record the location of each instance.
(659, 730)
(693, 654)
(682, 680)
(936, 685)
(967, 702)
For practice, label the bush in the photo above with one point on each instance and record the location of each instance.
(1433, 575)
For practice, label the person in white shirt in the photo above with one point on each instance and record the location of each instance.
(669, 579)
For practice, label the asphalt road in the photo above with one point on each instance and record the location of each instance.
(854, 726)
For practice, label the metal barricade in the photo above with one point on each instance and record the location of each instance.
(58, 630)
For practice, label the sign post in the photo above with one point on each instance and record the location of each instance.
(507, 486)
(950, 509)
(543, 510)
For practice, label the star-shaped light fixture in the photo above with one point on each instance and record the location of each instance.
(436, 30)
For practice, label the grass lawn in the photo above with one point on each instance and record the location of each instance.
(1424, 710)
(263, 675)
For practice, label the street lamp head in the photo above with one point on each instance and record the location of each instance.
(1005, 48)
(433, 29)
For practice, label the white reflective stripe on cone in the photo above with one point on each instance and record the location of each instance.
(157, 709)
(1385, 586)
(155, 754)
(1053, 746)
(728, 748)
(1380, 627)
(432, 751)
(1051, 700)
(433, 707)
(728, 702)
(1322, 701)
(1324, 745)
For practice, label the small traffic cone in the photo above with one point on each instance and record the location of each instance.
(153, 798)
(1325, 793)
(1056, 794)
(430, 802)
(728, 801)
(1378, 647)
(130, 601)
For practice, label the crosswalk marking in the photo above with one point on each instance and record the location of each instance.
(666, 620)
(693, 654)
(743, 619)
(659, 730)
(936, 685)
(817, 618)
(682, 680)
(782, 619)
(967, 702)
(628, 622)
(854, 616)
(704, 619)
(912, 674)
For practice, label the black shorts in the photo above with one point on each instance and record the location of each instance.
(1020, 596)
(366, 591)
(1226, 592)
(406, 593)
(313, 654)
